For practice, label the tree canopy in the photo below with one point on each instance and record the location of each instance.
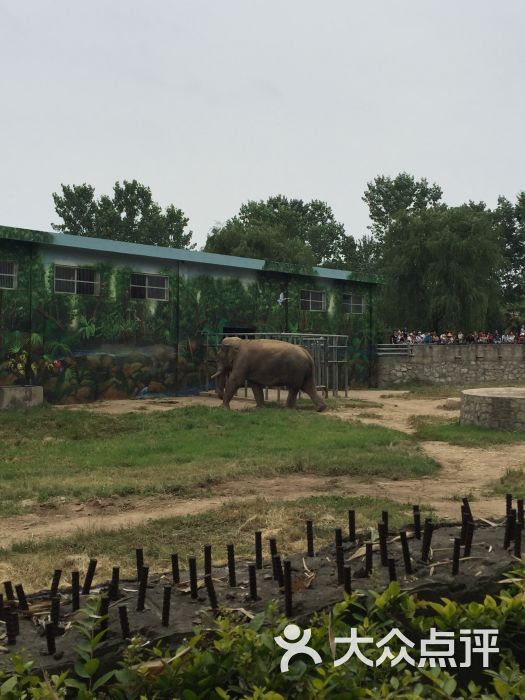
(509, 220)
(130, 215)
(282, 230)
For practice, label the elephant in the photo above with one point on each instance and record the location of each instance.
(263, 363)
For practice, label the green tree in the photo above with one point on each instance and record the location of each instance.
(387, 197)
(441, 268)
(130, 215)
(281, 230)
(509, 220)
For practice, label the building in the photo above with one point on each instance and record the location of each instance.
(94, 318)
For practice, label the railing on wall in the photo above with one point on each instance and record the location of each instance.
(399, 349)
(329, 353)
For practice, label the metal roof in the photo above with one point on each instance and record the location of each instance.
(105, 245)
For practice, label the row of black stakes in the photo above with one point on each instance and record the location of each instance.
(514, 525)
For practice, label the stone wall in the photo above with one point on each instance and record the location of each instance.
(503, 408)
(453, 364)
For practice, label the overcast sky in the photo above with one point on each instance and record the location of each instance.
(214, 102)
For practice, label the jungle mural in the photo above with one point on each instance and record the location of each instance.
(108, 346)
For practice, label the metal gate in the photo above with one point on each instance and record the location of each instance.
(329, 353)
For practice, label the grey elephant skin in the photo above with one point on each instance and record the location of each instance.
(265, 363)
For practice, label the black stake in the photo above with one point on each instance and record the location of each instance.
(351, 525)
(278, 570)
(384, 518)
(114, 585)
(392, 569)
(427, 540)
(347, 579)
(90, 573)
(340, 563)
(406, 552)
(9, 591)
(192, 563)
(455, 556)
(10, 627)
(288, 607)
(468, 539)
(510, 524)
(232, 579)
(517, 539)
(464, 521)
(508, 503)
(139, 561)
(207, 559)
(369, 551)
(338, 535)
(55, 581)
(273, 546)
(252, 575)
(175, 573)
(466, 506)
(22, 600)
(310, 538)
(75, 590)
(383, 551)
(143, 585)
(166, 599)
(124, 622)
(521, 518)
(211, 591)
(417, 522)
(50, 639)
(55, 611)
(258, 550)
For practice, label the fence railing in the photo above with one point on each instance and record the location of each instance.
(329, 353)
(399, 349)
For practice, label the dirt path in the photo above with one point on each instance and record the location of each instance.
(465, 471)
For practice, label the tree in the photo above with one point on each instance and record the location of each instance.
(441, 268)
(281, 230)
(386, 198)
(130, 215)
(509, 220)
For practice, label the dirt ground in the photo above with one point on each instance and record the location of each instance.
(465, 471)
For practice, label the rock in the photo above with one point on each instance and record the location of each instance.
(156, 387)
(451, 405)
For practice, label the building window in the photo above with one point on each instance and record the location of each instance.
(353, 303)
(312, 300)
(77, 280)
(149, 287)
(7, 274)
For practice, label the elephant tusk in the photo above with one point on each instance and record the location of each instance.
(215, 375)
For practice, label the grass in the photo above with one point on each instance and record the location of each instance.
(513, 481)
(443, 430)
(50, 453)
(33, 562)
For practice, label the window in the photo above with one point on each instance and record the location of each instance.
(353, 303)
(149, 287)
(313, 301)
(77, 280)
(7, 274)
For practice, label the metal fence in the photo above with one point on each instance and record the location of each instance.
(400, 349)
(329, 353)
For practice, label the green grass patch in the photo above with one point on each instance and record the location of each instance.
(236, 522)
(443, 430)
(77, 454)
(513, 481)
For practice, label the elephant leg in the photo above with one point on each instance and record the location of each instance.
(232, 384)
(310, 389)
(292, 398)
(258, 394)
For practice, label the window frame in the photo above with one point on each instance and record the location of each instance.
(14, 275)
(348, 305)
(149, 286)
(310, 292)
(76, 281)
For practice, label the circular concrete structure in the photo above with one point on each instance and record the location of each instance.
(503, 409)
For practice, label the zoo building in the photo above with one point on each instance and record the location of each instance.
(91, 318)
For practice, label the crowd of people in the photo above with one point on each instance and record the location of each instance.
(404, 337)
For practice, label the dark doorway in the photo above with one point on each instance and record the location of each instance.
(240, 331)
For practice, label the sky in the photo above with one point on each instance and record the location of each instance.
(214, 103)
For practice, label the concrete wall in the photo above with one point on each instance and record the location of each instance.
(21, 396)
(453, 364)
